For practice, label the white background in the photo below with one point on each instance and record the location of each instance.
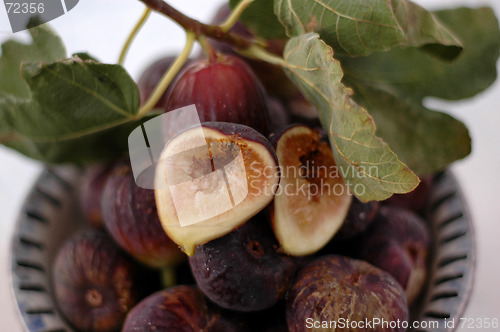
(100, 27)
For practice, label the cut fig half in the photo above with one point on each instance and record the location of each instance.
(312, 201)
(212, 179)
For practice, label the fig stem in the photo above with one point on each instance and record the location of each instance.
(168, 278)
(200, 29)
(257, 52)
(132, 35)
(208, 49)
(235, 15)
(169, 76)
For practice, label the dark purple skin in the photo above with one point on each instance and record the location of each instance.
(93, 182)
(179, 309)
(95, 283)
(334, 287)
(223, 90)
(272, 77)
(414, 200)
(269, 320)
(359, 218)
(244, 269)
(301, 110)
(152, 75)
(397, 242)
(131, 218)
(279, 116)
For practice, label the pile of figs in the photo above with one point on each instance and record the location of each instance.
(295, 249)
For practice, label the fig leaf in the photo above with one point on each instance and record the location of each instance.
(425, 140)
(392, 87)
(362, 27)
(77, 111)
(369, 167)
(46, 47)
(415, 74)
(259, 17)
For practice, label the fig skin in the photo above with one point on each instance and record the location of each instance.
(398, 242)
(269, 320)
(181, 309)
(415, 200)
(302, 111)
(279, 115)
(244, 270)
(336, 287)
(131, 218)
(273, 78)
(223, 89)
(262, 176)
(95, 284)
(359, 218)
(92, 186)
(152, 75)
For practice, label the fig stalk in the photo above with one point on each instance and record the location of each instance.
(132, 35)
(168, 77)
(195, 26)
(235, 15)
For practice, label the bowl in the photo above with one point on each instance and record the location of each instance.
(50, 215)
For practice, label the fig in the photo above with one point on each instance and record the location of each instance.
(212, 179)
(224, 89)
(152, 75)
(279, 116)
(312, 200)
(269, 320)
(131, 218)
(92, 186)
(181, 309)
(333, 289)
(416, 199)
(95, 284)
(150, 78)
(244, 269)
(272, 77)
(359, 218)
(397, 242)
(302, 111)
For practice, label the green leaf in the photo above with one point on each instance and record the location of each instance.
(362, 27)
(46, 47)
(411, 72)
(100, 146)
(392, 86)
(259, 17)
(427, 141)
(78, 111)
(85, 56)
(365, 161)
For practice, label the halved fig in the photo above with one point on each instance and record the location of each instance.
(212, 179)
(312, 200)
